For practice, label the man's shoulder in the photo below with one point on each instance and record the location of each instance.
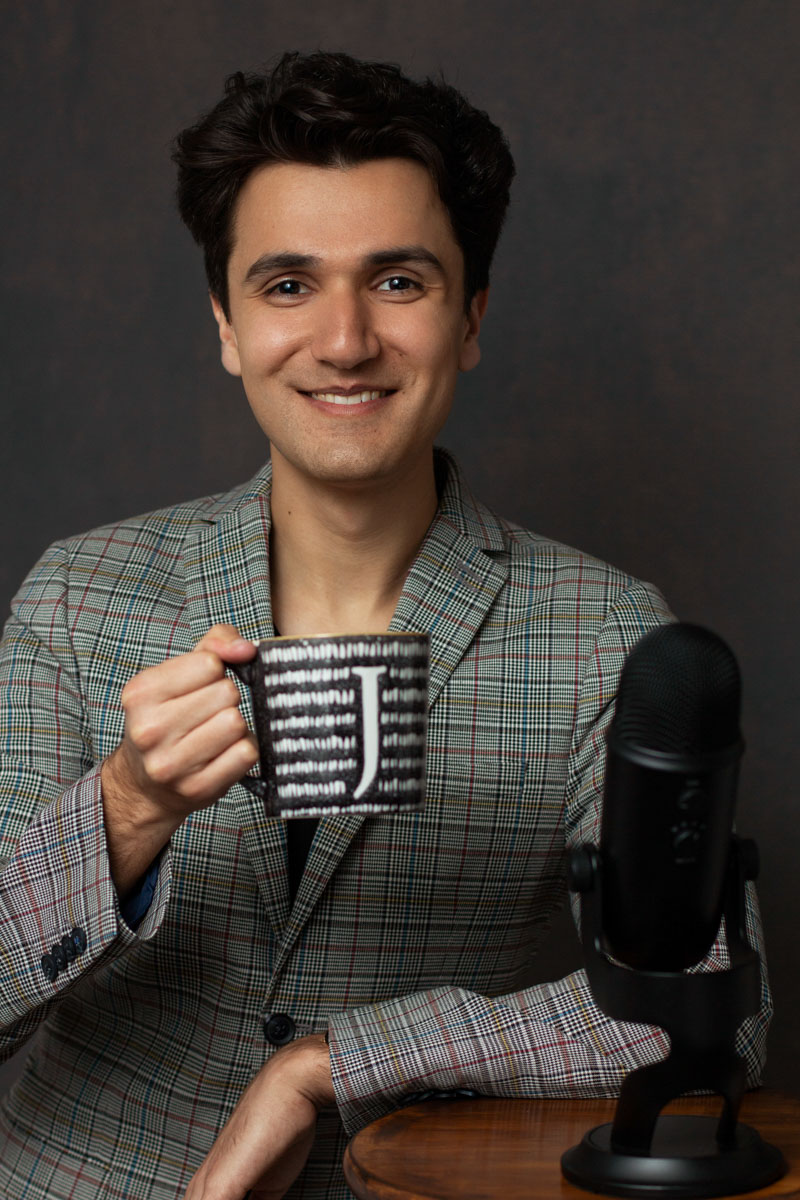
(534, 562)
(135, 554)
(549, 575)
(168, 527)
(528, 549)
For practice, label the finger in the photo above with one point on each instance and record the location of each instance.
(204, 785)
(201, 753)
(176, 677)
(228, 643)
(166, 722)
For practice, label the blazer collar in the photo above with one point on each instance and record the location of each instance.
(458, 571)
(226, 563)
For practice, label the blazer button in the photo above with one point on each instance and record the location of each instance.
(49, 968)
(68, 946)
(78, 937)
(58, 956)
(279, 1029)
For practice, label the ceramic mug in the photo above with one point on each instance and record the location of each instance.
(341, 722)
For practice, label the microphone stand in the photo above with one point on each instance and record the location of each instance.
(642, 1153)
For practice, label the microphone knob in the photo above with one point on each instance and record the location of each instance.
(686, 844)
(582, 869)
(693, 800)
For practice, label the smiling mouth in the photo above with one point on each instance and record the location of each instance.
(361, 397)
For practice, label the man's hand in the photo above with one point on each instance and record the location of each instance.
(185, 743)
(264, 1146)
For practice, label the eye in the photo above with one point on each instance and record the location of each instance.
(399, 284)
(287, 287)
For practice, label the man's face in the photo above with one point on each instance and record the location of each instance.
(347, 322)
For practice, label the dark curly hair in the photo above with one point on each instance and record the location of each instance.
(334, 110)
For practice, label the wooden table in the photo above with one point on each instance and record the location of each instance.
(511, 1149)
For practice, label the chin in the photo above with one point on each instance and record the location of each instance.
(342, 466)
(355, 474)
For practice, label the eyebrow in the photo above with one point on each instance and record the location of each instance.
(404, 254)
(289, 260)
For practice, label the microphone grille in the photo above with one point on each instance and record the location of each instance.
(679, 692)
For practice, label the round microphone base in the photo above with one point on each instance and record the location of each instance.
(685, 1160)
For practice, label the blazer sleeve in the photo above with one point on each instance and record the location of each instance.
(548, 1040)
(59, 911)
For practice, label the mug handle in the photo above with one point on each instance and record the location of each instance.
(254, 783)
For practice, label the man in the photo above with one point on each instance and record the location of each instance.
(214, 1015)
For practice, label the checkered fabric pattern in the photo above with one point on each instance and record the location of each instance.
(410, 935)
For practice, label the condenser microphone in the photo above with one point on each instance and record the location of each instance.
(652, 899)
(671, 771)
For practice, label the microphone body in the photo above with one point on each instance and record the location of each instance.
(671, 774)
(652, 896)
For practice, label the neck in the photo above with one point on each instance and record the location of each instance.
(339, 554)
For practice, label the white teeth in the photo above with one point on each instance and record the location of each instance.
(356, 398)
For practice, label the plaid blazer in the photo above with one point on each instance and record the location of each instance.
(410, 935)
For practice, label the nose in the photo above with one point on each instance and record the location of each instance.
(344, 335)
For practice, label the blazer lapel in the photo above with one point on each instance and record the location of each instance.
(455, 577)
(332, 839)
(448, 593)
(227, 570)
(227, 582)
(451, 585)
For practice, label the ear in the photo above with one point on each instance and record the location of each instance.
(470, 354)
(227, 337)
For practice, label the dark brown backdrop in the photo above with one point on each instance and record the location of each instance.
(637, 395)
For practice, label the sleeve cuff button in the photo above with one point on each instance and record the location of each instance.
(62, 953)
(49, 968)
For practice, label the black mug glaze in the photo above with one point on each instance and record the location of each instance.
(341, 723)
